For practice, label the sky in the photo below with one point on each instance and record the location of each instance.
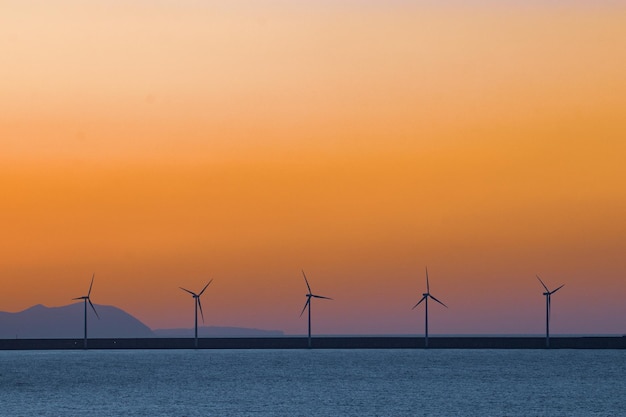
(161, 144)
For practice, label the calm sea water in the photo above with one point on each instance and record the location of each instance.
(313, 383)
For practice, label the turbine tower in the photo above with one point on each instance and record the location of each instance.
(310, 295)
(548, 295)
(197, 304)
(86, 299)
(425, 297)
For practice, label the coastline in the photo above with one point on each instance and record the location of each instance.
(324, 342)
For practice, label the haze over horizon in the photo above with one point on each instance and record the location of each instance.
(164, 144)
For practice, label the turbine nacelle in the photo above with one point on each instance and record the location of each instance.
(196, 298)
(548, 295)
(307, 304)
(87, 299)
(548, 292)
(425, 296)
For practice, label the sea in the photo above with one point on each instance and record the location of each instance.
(392, 382)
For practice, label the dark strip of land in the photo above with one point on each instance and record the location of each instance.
(346, 342)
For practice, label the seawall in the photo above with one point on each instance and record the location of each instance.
(344, 342)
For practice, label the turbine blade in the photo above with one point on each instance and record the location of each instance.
(200, 305)
(91, 285)
(419, 302)
(190, 292)
(205, 288)
(307, 281)
(544, 285)
(552, 292)
(308, 300)
(78, 298)
(427, 283)
(93, 308)
(321, 296)
(438, 301)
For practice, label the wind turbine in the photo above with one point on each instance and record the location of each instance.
(310, 295)
(425, 297)
(548, 295)
(86, 299)
(197, 303)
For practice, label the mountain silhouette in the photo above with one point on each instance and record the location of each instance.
(67, 322)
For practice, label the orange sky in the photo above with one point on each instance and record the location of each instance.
(163, 145)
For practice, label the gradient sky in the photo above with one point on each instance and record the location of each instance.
(164, 143)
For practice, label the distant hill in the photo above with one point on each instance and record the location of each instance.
(41, 322)
(217, 331)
